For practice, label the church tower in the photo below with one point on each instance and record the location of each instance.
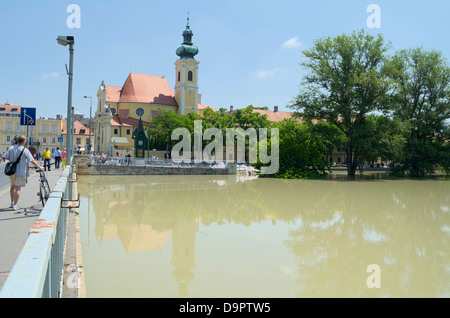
(186, 75)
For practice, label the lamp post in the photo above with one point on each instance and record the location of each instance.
(90, 122)
(64, 41)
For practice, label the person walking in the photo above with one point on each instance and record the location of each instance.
(46, 154)
(19, 179)
(57, 156)
(63, 158)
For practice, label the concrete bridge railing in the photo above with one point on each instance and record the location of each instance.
(38, 271)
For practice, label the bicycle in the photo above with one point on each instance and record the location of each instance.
(44, 188)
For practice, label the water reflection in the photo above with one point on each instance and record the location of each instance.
(216, 236)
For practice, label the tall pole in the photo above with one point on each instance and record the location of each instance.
(90, 121)
(90, 126)
(69, 141)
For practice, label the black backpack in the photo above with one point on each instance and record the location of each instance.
(10, 167)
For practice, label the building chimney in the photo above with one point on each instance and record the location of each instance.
(231, 108)
(275, 109)
(199, 98)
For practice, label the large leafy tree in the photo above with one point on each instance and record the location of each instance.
(301, 151)
(343, 85)
(421, 100)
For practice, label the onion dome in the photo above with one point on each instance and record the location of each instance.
(187, 50)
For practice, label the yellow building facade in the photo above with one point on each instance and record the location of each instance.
(82, 136)
(47, 132)
(43, 134)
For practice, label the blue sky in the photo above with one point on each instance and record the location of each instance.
(249, 51)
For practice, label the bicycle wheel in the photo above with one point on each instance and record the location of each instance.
(47, 190)
(42, 195)
(44, 192)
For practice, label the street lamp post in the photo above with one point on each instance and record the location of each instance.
(64, 41)
(90, 121)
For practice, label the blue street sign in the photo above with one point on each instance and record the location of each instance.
(60, 139)
(28, 116)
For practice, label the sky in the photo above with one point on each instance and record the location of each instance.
(249, 51)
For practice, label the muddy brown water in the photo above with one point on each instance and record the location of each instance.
(223, 236)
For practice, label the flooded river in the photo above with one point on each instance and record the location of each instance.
(219, 236)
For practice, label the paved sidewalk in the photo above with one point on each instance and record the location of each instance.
(15, 225)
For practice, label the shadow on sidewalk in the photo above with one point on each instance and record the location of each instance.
(31, 211)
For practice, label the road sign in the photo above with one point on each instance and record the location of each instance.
(60, 139)
(28, 116)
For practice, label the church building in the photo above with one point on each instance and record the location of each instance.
(143, 97)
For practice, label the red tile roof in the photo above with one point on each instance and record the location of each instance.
(112, 93)
(77, 129)
(131, 122)
(274, 116)
(8, 108)
(141, 88)
(203, 106)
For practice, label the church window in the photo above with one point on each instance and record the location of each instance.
(179, 76)
(190, 76)
(140, 112)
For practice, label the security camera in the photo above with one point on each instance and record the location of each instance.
(65, 40)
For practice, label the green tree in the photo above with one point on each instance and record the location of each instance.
(380, 137)
(300, 151)
(344, 85)
(241, 118)
(246, 118)
(421, 100)
(166, 123)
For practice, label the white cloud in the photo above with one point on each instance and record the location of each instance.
(262, 74)
(292, 43)
(51, 75)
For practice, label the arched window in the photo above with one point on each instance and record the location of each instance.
(190, 76)
(179, 76)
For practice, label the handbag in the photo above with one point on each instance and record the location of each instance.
(10, 167)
